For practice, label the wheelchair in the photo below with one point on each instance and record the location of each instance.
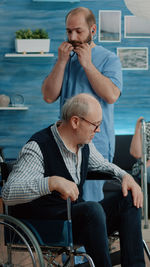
(24, 243)
(145, 138)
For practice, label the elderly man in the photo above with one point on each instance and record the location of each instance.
(53, 166)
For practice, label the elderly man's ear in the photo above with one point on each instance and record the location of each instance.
(74, 122)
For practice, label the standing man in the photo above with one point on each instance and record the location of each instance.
(84, 67)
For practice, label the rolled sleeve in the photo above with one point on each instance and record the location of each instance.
(112, 70)
(43, 187)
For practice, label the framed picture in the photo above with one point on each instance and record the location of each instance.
(109, 26)
(133, 58)
(136, 27)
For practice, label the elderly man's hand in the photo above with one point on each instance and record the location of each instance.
(65, 187)
(128, 183)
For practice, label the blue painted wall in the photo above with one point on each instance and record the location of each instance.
(25, 76)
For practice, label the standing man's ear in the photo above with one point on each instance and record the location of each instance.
(93, 29)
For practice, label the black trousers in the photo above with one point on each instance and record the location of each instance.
(93, 222)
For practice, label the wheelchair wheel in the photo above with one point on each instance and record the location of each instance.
(18, 246)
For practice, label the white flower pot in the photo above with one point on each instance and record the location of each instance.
(32, 45)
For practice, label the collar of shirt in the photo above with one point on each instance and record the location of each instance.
(72, 160)
(58, 138)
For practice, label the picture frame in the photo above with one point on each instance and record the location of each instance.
(133, 58)
(136, 27)
(109, 26)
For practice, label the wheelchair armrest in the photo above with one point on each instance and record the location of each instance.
(96, 175)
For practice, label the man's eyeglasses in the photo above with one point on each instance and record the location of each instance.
(95, 125)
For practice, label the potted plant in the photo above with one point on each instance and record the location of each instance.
(28, 41)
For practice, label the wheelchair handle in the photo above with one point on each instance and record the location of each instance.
(69, 208)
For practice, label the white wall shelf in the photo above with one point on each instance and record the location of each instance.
(14, 108)
(70, 1)
(29, 55)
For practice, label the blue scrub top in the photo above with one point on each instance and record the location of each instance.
(75, 82)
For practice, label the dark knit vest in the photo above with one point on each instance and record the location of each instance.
(54, 165)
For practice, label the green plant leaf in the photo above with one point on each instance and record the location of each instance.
(29, 34)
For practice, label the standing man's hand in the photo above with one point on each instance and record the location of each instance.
(64, 52)
(52, 85)
(84, 54)
(128, 183)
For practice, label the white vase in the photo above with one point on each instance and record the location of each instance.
(32, 45)
(4, 100)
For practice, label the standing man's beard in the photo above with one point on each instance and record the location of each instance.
(77, 43)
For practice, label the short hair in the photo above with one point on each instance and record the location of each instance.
(89, 16)
(75, 106)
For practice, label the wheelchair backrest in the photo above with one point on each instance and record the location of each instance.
(122, 157)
